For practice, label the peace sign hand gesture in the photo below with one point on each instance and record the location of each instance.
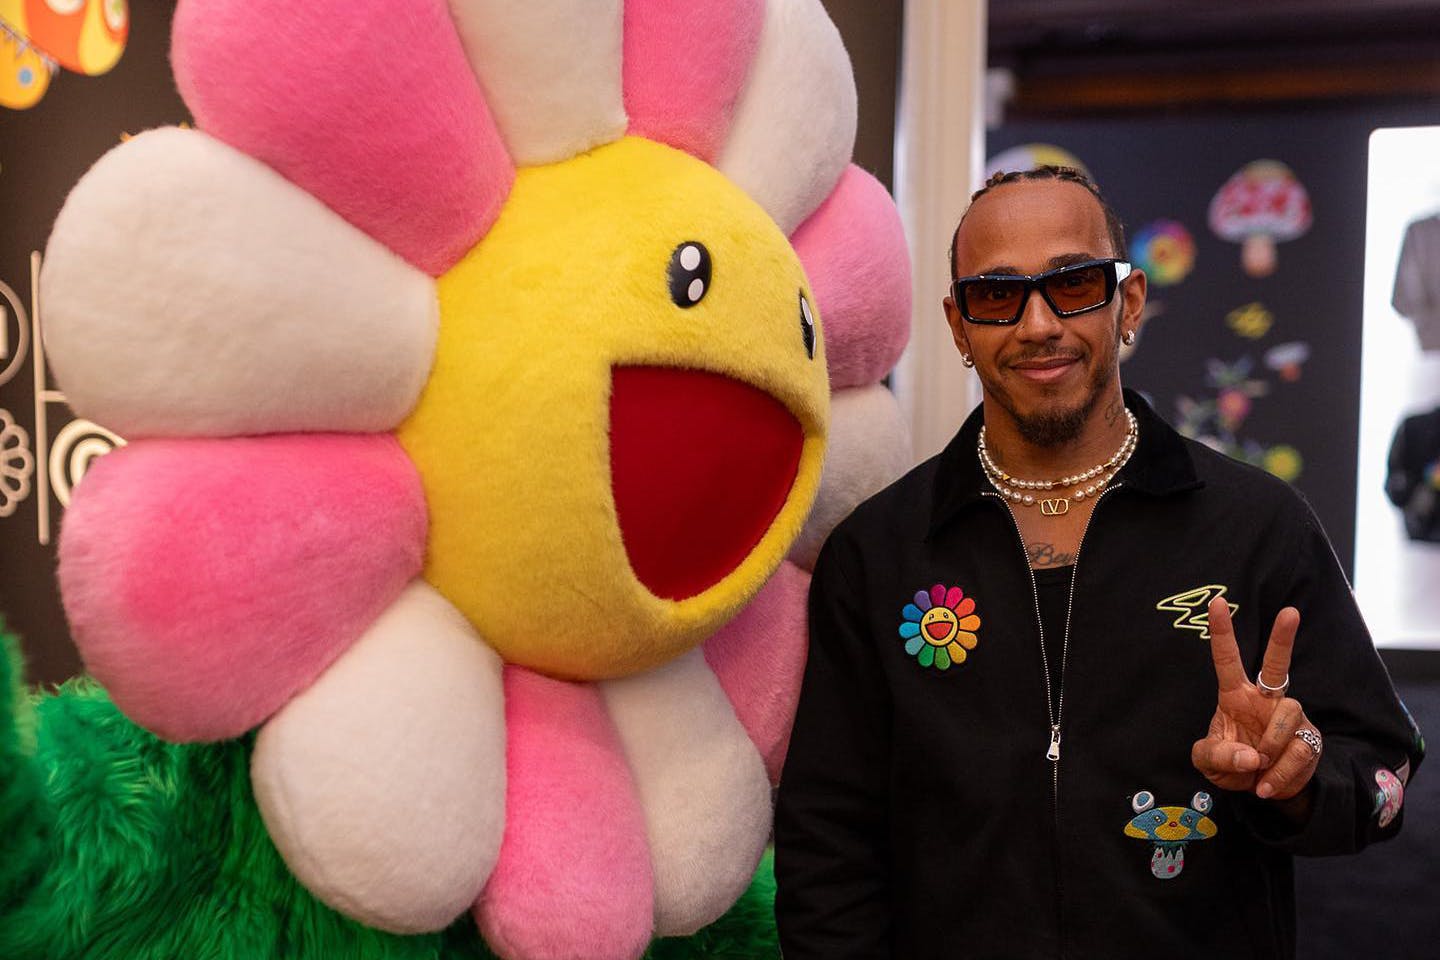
(1254, 740)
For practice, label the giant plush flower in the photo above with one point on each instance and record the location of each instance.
(474, 362)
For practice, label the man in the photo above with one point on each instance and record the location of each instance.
(1051, 707)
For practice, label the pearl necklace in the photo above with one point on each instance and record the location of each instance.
(1087, 483)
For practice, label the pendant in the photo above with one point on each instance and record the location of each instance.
(1056, 507)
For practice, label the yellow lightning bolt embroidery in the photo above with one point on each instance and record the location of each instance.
(1194, 607)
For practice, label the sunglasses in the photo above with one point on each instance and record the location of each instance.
(1000, 298)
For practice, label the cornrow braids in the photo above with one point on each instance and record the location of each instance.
(1113, 227)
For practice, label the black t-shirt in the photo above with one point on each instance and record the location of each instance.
(1052, 585)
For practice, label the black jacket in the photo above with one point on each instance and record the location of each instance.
(917, 814)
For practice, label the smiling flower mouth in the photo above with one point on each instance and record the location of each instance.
(700, 466)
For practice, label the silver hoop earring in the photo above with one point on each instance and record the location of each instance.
(1128, 338)
(967, 360)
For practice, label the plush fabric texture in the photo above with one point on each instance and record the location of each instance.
(208, 581)
(869, 448)
(367, 104)
(511, 435)
(685, 64)
(854, 253)
(152, 271)
(794, 127)
(383, 783)
(574, 873)
(702, 786)
(759, 659)
(551, 70)
(119, 846)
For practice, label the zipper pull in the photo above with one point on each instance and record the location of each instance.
(1053, 753)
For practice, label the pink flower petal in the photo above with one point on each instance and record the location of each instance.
(937, 595)
(573, 879)
(953, 596)
(854, 252)
(208, 581)
(759, 659)
(685, 64)
(368, 104)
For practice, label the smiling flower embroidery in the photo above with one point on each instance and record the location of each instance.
(939, 626)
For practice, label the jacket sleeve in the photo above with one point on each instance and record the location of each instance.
(831, 852)
(1371, 744)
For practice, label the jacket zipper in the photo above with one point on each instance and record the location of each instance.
(1055, 712)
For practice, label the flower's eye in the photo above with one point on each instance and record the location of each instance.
(807, 326)
(116, 14)
(65, 7)
(689, 273)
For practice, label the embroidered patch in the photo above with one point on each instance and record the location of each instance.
(1169, 829)
(1193, 607)
(939, 626)
(1389, 796)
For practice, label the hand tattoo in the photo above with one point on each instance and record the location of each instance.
(1045, 555)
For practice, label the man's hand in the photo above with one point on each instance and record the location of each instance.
(1252, 742)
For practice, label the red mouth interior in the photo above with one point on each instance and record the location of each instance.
(700, 464)
(937, 628)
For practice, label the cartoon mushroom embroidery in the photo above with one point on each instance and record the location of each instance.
(1261, 204)
(1169, 828)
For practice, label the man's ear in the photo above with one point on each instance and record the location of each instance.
(1133, 300)
(957, 326)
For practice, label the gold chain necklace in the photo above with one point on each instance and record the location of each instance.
(1087, 483)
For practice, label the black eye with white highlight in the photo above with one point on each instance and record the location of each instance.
(689, 273)
(807, 326)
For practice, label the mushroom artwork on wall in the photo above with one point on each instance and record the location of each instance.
(1262, 204)
(38, 37)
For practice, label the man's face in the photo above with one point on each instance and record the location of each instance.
(1047, 373)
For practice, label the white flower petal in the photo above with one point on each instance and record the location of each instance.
(551, 71)
(702, 785)
(794, 127)
(383, 784)
(869, 446)
(189, 290)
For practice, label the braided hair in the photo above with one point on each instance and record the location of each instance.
(1113, 226)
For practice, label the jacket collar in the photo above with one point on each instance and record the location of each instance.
(1159, 466)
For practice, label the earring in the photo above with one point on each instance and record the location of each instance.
(1128, 338)
(967, 360)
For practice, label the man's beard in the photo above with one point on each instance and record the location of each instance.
(1055, 427)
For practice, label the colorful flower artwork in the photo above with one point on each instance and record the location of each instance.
(939, 626)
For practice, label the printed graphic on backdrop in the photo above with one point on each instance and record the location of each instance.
(1217, 421)
(1261, 205)
(1165, 250)
(1252, 321)
(38, 37)
(1031, 155)
(33, 462)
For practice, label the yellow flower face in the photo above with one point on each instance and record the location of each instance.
(938, 626)
(632, 264)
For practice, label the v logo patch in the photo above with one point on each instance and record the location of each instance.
(1193, 607)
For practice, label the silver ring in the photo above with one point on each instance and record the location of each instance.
(1273, 693)
(1312, 739)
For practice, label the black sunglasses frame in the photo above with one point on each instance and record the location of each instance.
(1117, 273)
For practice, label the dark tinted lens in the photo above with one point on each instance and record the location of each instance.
(993, 299)
(1077, 289)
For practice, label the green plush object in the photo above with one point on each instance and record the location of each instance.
(119, 846)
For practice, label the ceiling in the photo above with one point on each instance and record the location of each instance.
(1208, 50)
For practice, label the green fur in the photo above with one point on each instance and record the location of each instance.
(118, 846)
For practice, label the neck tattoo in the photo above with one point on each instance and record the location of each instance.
(1086, 483)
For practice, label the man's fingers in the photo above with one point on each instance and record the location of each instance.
(1220, 757)
(1288, 717)
(1229, 671)
(1289, 774)
(1276, 665)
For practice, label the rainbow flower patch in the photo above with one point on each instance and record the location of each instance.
(939, 626)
